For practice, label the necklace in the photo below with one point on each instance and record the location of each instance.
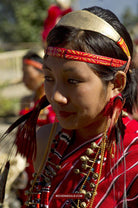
(92, 169)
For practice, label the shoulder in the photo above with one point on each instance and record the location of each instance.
(42, 137)
(131, 132)
(131, 125)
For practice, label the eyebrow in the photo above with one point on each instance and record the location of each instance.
(46, 67)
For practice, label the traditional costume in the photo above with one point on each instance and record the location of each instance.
(74, 174)
(102, 171)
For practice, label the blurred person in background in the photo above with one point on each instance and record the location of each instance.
(55, 12)
(33, 79)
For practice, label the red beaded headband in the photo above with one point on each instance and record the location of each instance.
(86, 20)
(85, 57)
(33, 63)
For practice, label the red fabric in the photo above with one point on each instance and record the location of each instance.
(49, 116)
(54, 12)
(111, 187)
(29, 170)
(70, 180)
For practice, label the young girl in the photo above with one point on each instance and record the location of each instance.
(90, 158)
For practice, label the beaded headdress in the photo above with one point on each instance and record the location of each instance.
(86, 20)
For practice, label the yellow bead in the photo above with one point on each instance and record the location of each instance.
(84, 158)
(92, 185)
(88, 194)
(82, 191)
(83, 204)
(94, 145)
(95, 175)
(77, 171)
(89, 151)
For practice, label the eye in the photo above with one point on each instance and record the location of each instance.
(73, 81)
(49, 78)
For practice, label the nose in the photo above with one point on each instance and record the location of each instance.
(59, 96)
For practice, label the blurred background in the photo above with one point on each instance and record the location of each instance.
(22, 25)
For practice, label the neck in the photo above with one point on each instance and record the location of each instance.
(91, 131)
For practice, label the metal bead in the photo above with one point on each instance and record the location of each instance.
(28, 203)
(85, 166)
(95, 175)
(77, 171)
(94, 145)
(88, 194)
(89, 151)
(82, 191)
(84, 158)
(92, 185)
(58, 167)
(83, 204)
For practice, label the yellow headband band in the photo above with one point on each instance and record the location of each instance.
(86, 20)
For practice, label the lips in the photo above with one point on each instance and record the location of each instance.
(65, 114)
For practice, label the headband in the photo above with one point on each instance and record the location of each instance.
(86, 20)
(33, 63)
(85, 57)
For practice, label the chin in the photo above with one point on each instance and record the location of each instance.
(67, 125)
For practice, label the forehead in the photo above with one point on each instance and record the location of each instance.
(53, 63)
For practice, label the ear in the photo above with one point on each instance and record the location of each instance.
(119, 82)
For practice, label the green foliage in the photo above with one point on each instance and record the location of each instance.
(8, 106)
(129, 18)
(22, 20)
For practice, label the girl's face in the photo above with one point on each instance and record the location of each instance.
(76, 93)
(31, 77)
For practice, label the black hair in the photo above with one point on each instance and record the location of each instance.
(93, 42)
(33, 56)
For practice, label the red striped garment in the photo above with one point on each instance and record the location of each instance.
(118, 186)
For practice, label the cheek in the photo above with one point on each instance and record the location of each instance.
(92, 99)
(48, 91)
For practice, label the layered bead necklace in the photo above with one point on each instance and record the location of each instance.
(90, 170)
